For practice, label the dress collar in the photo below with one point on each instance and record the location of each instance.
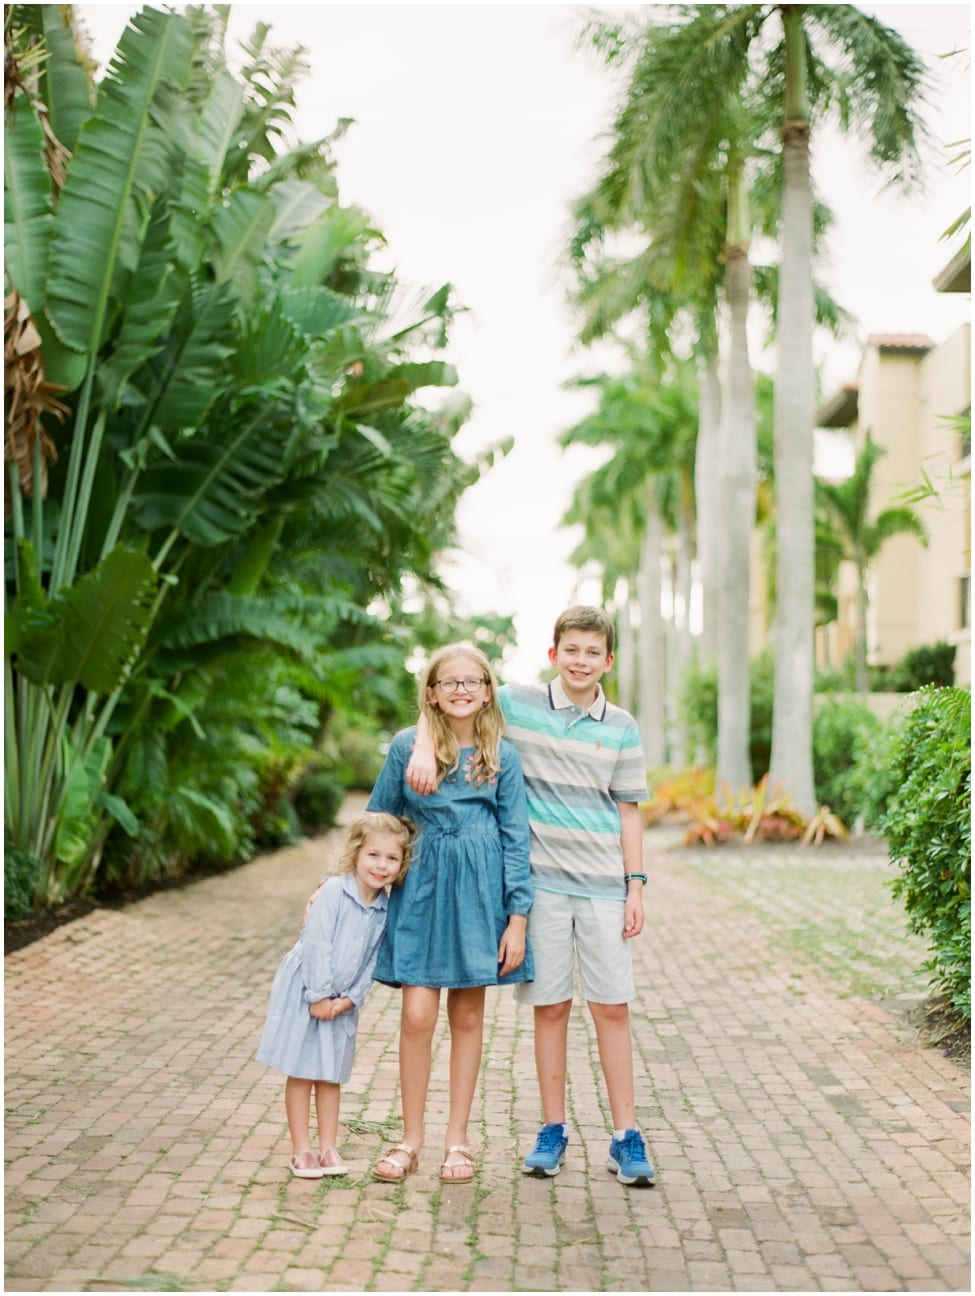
(558, 700)
(351, 887)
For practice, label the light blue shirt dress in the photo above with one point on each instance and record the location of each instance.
(333, 958)
(469, 871)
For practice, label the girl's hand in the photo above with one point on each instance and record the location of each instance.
(511, 951)
(329, 1009)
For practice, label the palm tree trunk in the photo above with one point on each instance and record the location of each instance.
(652, 655)
(625, 648)
(706, 488)
(683, 644)
(737, 474)
(791, 757)
(862, 679)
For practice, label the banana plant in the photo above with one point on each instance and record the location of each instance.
(207, 345)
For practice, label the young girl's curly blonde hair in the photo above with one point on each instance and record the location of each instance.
(488, 724)
(377, 821)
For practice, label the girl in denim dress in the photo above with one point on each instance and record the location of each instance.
(458, 922)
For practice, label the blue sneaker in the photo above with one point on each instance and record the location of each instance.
(628, 1157)
(547, 1156)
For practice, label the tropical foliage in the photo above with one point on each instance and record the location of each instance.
(861, 532)
(221, 484)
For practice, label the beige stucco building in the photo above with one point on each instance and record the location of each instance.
(912, 397)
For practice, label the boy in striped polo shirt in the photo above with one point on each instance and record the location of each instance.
(585, 777)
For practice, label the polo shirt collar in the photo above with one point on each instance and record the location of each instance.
(558, 700)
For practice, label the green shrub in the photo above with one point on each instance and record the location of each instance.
(699, 709)
(21, 871)
(319, 798)
(353, 755)
(840, 730)
(871, 784)
(929, 664)
(928, 828)
(699, 713)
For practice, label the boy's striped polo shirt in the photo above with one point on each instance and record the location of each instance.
(577, 766)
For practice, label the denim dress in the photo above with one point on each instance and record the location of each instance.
(470, 870)
(333, 958)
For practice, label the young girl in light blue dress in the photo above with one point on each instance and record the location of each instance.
(458, 922)
(322, 981)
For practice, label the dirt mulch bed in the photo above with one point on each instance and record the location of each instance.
(24, 931)
(938, 1025)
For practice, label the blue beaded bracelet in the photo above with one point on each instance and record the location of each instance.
(635, 877)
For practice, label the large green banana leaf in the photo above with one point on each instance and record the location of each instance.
(208, 135)
(65, 87)
(193, 371)
(27, 214)
(91, 633)
(394, 387)
(324, 242)
(149, 310)
(240, 226)
(122, 160)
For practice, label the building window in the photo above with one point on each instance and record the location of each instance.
(964, 591)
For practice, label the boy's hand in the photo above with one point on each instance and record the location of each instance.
(311, 900)
(421, 772)
(633, 913)
(511, 951)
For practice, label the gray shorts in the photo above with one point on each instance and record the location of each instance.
(566, 930)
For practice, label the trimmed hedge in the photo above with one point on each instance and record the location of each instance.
(928, 827)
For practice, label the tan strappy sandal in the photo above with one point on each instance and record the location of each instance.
(466, 1167)
(399, 1171)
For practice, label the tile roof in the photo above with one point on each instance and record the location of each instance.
(901, 342)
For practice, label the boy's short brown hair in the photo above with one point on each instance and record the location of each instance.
(585, 617)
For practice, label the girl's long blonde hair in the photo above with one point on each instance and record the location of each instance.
(488, 724)
(377, 821)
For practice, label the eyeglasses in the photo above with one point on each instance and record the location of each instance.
(468, 685)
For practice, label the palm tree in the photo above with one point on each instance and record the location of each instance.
(846, 505)
(881, 80)
(648, 418)
(676, 173)
(725, 58)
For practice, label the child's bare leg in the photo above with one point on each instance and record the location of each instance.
(551, 1036)
(421, 1006)
(327, 1097)
(297, 1105)
(465, 1013)
(612, 1022)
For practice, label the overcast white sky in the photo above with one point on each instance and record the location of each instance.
(475, 126)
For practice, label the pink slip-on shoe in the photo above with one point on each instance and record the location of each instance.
(306, 1166)
(331, 1163)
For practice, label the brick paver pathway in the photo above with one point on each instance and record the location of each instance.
(803, 1141)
